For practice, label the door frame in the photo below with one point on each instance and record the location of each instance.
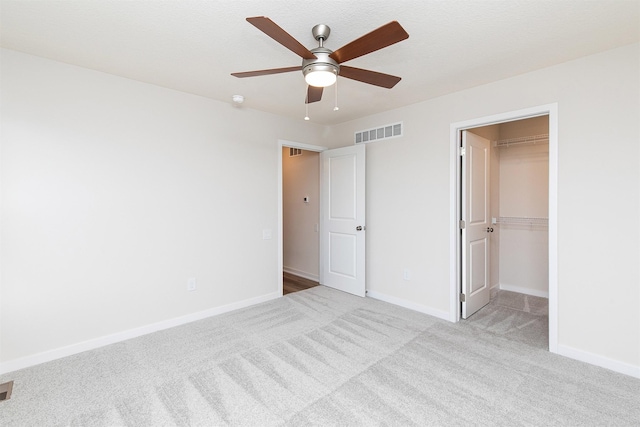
(550, 110)
(280, 266)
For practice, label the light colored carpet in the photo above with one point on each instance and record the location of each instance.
(518, 317)
(322, 357)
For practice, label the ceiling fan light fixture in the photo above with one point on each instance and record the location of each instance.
(320, 78)
(320, 75)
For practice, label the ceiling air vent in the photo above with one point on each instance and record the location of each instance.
(383, 132)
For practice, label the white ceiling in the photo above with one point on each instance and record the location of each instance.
(194, 45)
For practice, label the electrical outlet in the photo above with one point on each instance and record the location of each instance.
(266, 234)
(191, 284)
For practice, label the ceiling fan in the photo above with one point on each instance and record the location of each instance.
(321, 66)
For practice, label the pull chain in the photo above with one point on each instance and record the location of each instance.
(336, 92)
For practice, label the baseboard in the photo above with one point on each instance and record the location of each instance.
(603, 362)
(444, 315)
(526, 291)
(92, 344)
(302, 274)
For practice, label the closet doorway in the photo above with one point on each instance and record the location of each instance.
(510, 261)
(518, 210)
(514, 278)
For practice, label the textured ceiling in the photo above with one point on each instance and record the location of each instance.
(193, 46)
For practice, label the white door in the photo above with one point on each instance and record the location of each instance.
(342, 243)
(477, 223)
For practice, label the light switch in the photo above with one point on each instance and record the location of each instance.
(266, 234)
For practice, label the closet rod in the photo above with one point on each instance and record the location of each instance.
(533, 139)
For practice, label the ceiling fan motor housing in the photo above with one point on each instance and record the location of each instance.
(322, 63)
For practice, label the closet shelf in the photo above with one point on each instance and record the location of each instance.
(533, 139)
(524, 220)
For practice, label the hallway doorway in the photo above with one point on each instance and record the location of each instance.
(292, 283)
(298, 245)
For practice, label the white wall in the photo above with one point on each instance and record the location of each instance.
(115, 192)
(408, 205)
(301, 245)
(524, 192)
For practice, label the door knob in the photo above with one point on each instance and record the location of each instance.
(359, 228)
(489, 229)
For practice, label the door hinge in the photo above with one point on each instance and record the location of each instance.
(462, 224)
(462, 298)
(462, 151)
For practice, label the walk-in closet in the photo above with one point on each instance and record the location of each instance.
(519, 199)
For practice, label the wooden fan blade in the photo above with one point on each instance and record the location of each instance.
(266, 72)
(367, 76)
(314, 94)
(271, 29)
(384, 36)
